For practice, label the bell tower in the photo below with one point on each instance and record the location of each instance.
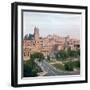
(36, 34)
(36, 39)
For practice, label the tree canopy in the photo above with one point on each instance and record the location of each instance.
(28, 36)
(37, 55)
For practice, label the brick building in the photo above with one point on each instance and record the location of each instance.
(47, 45)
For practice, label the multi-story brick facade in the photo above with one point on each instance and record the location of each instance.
(47, 45)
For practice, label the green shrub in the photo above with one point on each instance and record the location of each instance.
(68, 66)
(27, 70)
(30, 70)
(76, 64)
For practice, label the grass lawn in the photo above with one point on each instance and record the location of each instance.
(67, 65)
(59, 66)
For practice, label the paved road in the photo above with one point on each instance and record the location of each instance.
(52, 71)
(49, 69)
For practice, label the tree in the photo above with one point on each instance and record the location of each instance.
(78, 51)
(61, 55)
(28, 36)
(68, 66)
(37, 55)
(48, 57)
(76, 64)
(73, 53)
(27, 69)
(30, 69)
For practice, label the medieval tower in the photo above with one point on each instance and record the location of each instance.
(36, 34)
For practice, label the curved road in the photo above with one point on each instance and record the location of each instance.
(52, 71)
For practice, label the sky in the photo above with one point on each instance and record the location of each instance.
(52, 23)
